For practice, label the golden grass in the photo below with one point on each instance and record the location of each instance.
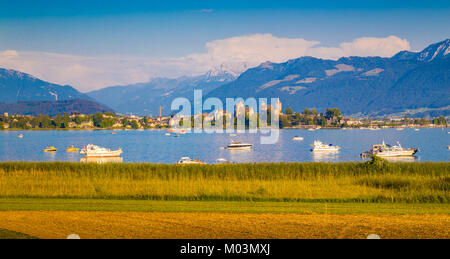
(101, 225)
(339, 182)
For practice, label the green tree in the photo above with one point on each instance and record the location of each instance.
(125, 122)
(134, 125)
(44, 121)
(107, 123)
(98, 118)
(322, 121)
(306, 111)
(440, 121)
(289, 111)
(331, 113)
(284, 122)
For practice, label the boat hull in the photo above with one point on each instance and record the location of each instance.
(325, 150)
(397, 153)
(239, 148)
(116, 153)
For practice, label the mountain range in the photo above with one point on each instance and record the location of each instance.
(416, 82)
(146, 98)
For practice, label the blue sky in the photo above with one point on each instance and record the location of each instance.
(174, 29)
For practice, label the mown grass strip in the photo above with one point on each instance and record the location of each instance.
(224, 207)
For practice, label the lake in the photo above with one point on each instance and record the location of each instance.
(154, 146)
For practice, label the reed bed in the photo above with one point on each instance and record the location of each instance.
(307, 182)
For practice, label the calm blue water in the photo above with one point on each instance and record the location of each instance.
(154, 146)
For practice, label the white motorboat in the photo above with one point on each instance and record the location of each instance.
(297, 138)
(383, 150)
(188, 161)
(318, 146)
(96, 151)
(239, 146)
(20, 135)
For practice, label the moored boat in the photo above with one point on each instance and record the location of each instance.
(297, 138)
(239, 146)
(50, 149)
(188, 161)
(318, 146)
(72, 149)
(96, 151)
(384, 150)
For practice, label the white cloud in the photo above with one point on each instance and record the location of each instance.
(235, 54)
(384, 47)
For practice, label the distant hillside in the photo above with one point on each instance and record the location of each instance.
(356, 85)
(53, 107)
(17, 86)
(145, 98)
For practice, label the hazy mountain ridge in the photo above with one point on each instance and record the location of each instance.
(145, 98)
(17, 86)
(52, 108)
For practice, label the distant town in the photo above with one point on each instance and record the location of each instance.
(331, 118)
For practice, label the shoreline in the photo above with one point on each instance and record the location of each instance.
(286, 128)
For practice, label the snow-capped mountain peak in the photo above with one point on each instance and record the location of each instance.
(434, 51)
(233, 69)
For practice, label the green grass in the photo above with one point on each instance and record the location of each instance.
(349, 182)
(218, 206)
(7, 234)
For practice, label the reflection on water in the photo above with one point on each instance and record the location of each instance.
(101, 160)
(325, 156)
(402, 159)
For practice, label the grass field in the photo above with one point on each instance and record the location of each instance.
(300, 182)
(297, 200)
